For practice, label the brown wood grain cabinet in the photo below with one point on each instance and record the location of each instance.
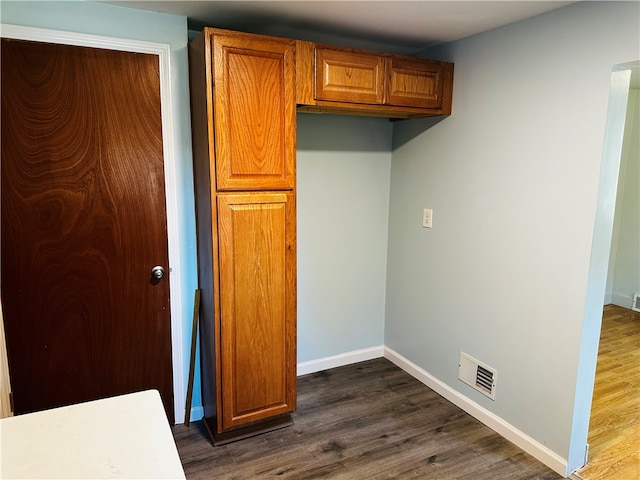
(255, 112)
(244, 137)
(342, 80)
(245, 89)
(257, 234)
(349, 76)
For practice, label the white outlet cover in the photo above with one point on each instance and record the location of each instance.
(427, 218)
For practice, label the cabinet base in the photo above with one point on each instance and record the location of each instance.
(246, 431)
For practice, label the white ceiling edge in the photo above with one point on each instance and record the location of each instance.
(397, 26)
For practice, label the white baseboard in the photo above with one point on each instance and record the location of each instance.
(624, 301)
(347, 358)
(491, 420)
(197, 413)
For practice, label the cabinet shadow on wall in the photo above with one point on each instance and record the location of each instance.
(329, 132)
(318, 132)
(413, 128)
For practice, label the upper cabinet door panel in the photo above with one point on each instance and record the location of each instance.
(415, 83)
(255, 112)
(349, 77)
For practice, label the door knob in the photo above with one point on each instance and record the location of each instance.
(157, 272)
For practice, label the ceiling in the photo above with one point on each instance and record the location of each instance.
(395, 26)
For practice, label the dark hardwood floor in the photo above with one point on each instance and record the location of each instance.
(368, 420)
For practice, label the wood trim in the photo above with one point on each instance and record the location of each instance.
(447, 89)
(305, 65)
(386, 111)
(246, 431)
(170, 164)
(5, 381)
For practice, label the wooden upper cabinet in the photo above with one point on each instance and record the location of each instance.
(349, 77)
(341, 80)
(255, 111)
(415, 83)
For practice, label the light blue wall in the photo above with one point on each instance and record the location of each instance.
(108, 20)
(513, 177)
(344, 168)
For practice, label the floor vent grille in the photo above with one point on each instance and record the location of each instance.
(636, 302)
(477, 375)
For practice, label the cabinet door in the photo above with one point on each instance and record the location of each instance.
(349, 76)
(255, 112)
(257, 305)
(415, 83)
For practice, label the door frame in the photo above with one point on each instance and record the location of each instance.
(170, 155)
(620, 80)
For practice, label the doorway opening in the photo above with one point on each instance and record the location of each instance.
(610, 337)
(614, 422)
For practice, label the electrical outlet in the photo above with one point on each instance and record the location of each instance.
(427, 217)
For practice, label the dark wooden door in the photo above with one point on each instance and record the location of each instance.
(83, 224)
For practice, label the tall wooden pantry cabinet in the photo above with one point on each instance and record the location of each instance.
(244, 134)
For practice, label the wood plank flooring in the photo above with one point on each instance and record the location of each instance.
(614, 428)
(364, 421)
